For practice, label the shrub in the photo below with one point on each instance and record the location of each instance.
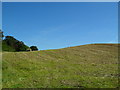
(34, 48)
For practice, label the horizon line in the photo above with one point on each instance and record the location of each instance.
(82, 45)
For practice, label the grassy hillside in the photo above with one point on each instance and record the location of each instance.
(86, 66)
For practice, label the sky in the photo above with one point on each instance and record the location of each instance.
(53, 25)
(60, 0)
(0, 14)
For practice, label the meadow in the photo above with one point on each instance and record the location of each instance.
(85, 66)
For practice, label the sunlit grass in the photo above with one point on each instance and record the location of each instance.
(88, 66)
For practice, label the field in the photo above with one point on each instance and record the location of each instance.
(85, 66)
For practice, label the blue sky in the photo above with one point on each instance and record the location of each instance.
(0, 14)
(57, 25)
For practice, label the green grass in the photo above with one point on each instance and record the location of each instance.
(87, 66)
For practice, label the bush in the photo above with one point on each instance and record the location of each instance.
(34, 48)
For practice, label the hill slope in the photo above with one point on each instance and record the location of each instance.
(89, 66)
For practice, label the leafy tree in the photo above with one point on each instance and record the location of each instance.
(34, 48)
(14, 43)
(11, 41)
(6, 47)
(1, 34)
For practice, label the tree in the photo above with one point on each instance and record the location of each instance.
(14, 43)
(1, 34)
(34, 48)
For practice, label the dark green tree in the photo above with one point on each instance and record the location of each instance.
(14, 43)
(34, 48)
(1, 34)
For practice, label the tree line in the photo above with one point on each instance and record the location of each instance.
(12, 44)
